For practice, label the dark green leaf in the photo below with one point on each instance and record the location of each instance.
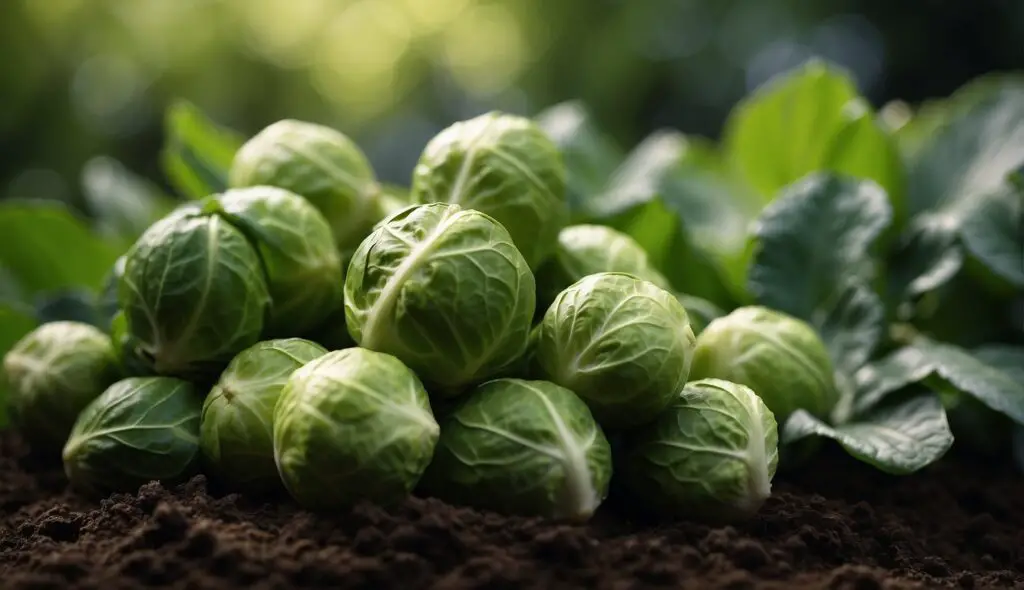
(812, 260)
(926, 258)
(1008, 359)
(682, 213)
(964, 163)
(899, 439)
(123, 205)
(15, 322)
(807, 120)
(943, 367)
(197, 152)
(48, 248)
(993, 234)
(590, 157)
(971, 154)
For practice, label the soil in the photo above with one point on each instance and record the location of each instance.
(837, 524)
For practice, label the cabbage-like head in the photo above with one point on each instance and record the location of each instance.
(319, 163)
(780, 357)
(711, 455)
(140, 429)
(193, 293)
(237, 425)
(621, 343)
(445, 290)
(52, 373)
(304, 272)
(502, 165)
(522, 447)
(350, 426)
(587, 249)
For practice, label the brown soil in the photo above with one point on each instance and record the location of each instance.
(837, 525)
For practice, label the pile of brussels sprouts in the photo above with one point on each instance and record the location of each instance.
(308, 332)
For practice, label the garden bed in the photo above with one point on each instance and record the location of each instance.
(837, 524)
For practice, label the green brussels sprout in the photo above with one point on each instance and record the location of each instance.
(711, 455)
(780, 357)
(139, 430)
(193, 293)
(445, 290)
(621, 343)
(502, 165)
(53, 372)
(587, 249)
(522, 447)
(236, 432)
(303, 268)
(353, 425)
(323, 165)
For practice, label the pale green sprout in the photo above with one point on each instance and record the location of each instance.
(586, 249)
(621, 343)
(444, 290)
(139, 430)
(319, 163)
(711, 455)
(505, 166)
(53, 372)
(522, 447)
(193, 293)
(353, 425)
(303, 268)
(237, 423)
(780, 357)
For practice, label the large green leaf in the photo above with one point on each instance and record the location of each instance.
(122, 204)
(197, 152)
(15, 322)
(957, 188)
(590, 156)
(993, 233)
(943, 367)
(670, 197)
(46, 247)
(811, 119)
(813, 260)
(897, 438)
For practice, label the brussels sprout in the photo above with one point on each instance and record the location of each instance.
(711, 455)
(303, 268)
(237, 425)
(502, 165)
(445, 290)
(780, 357)
(621, 343)
(587, 249)
(353, 425)
(54, 371)
(139, 430)
(522, 447)
(319, 163)
(193, 293)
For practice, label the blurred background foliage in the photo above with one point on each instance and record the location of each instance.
(87, 79)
